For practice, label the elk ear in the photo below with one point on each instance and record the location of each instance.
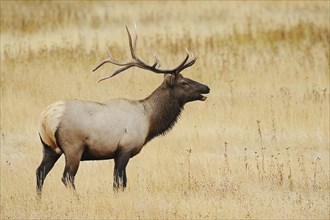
(169, 79)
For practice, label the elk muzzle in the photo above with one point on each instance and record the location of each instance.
(203, 90)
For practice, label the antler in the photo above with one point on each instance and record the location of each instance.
(136, 62)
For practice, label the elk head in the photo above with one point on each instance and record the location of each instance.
(183, 89)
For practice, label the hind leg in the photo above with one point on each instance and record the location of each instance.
(49, 159)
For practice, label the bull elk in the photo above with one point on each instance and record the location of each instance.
(117, 129)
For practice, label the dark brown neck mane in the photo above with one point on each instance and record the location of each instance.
(163, 109)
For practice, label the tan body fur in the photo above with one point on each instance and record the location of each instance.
(100, 129)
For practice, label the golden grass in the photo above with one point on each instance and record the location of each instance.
(257, 148)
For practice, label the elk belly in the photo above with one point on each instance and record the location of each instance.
(49, 121)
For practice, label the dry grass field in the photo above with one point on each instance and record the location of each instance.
(257, 148)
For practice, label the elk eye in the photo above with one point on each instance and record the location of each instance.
(184, 83)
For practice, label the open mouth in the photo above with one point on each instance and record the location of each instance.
(202, 98)
(206, 90)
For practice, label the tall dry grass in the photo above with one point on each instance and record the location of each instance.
(257, 148)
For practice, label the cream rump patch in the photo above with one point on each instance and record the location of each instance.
(49, 121)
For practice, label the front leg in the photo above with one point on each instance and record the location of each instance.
(119, 173)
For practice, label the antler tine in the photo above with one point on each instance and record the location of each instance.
(112, 60)
(186, 63)
(136, 62)
(135, 37)
(100, 64)
(157, 62)
(117, 72)
(132, 49)
(192, 61)
(177, 69)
